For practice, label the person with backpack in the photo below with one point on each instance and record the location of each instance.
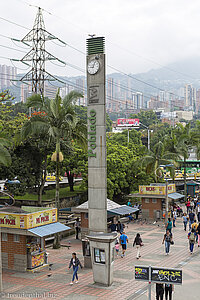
(138, 243)
(191, 237)
(168, 239)
(169, 225)
(75, 263)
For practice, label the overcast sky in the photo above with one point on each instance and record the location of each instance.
(137, 32)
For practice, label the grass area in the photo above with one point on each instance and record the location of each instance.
(50, 194)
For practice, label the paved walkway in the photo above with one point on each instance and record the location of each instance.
(39, 285)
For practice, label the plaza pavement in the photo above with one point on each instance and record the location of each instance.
(39, 285)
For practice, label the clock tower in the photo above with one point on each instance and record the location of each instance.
(97, 176)
(101, 243)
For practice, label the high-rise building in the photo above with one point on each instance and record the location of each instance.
(138, 100)
(190, 97)
(7, 73)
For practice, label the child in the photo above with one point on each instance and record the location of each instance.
(117, 247)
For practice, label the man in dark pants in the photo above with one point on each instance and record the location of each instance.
(168, 290)
(159, 291)
(77, 227)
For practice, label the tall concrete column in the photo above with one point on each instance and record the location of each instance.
(97, 176)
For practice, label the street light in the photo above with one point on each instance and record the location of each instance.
(148, 135)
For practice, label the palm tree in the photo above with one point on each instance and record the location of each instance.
(186, 139)
(58, 120)
(155, 158)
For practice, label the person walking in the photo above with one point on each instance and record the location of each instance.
(191, 237)
(169, 225)
(168, 239)
(119, 227)
(159, 291)
(198, 234)
(123, 242)
(191, 219)
(188, 205)
(77, 227)
(75, 263)
(138, 242)
(117, 246)
(168, 290)
(174, 217)
(185, 220)
(198, 211)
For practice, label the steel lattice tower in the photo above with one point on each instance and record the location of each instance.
(38, 55)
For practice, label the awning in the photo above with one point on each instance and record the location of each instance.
(175, 196)
(48, 229)
(123, 210)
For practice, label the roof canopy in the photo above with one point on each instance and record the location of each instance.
(49, 229)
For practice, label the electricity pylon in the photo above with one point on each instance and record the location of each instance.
(38, 55)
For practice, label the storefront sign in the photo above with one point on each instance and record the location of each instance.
(156, 190)
(30, 220)
(142, 273)
(162, 275)
(92, 134)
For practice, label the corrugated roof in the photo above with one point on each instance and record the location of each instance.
(13, 209)
(110, 205)
(123, 210)
(48, 229)
(175, 196)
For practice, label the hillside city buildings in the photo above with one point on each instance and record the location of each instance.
(122, 96)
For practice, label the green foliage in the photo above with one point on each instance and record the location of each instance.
(147, 118)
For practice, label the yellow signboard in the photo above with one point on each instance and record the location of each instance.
(30, 220)
(156, 190)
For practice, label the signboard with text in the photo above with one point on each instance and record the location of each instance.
(142, 273)
(29, 220)
(156, 190)
(128, 122)
(165, 275)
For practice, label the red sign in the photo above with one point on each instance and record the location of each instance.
(128, 122)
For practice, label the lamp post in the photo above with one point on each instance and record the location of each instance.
(148, 135)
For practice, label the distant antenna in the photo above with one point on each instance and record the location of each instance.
(37, 56)
(92, 35)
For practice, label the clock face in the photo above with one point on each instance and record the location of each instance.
(93, 67)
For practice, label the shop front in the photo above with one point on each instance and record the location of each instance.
(153, 199)
(23, 236)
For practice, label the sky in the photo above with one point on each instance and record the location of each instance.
(139, 34)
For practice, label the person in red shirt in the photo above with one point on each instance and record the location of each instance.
(188, 205)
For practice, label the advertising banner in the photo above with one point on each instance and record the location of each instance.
(128, 122)
(30, 220)
(165, 275)
(156, 190)
(142, 273)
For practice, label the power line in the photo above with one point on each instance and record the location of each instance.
(16, 24)
(12, 48)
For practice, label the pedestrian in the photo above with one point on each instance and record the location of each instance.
(187, 205)
(198, 234)
(119, 227)
(191, 219)
(77, 227)
(169, 225)
(117, 246)
(113, 227)
(123, 242)
(138, 242)
(174, 217)
(168, 239)
(159, 291)
(185, 220)
(168, 290)
(198, 211)
(191, 237)
(75, 263)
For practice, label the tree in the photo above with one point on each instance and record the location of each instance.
(147, 118)
(5, 158)
(186, 139)
(57, 119)
(155, 158)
